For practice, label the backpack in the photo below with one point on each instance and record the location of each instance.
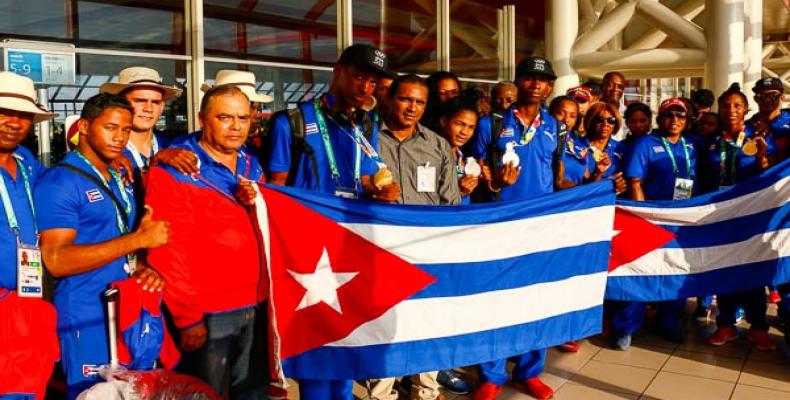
(299, 145)
(493, 149)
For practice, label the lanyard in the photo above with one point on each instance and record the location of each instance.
(9, 208)
(724, 145)
(362, 145)
(138, 159)
(671, 155)
(122, 224)
(530, 130)
(459, 163)
(570, 147)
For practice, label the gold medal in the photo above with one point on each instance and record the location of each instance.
(597, 155)
(382, 178)
(749, 148)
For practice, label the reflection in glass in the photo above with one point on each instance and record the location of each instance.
(405, 30)
(288, 86)
(473, 30)
(93, 70)
(296, 30)
(142, 24)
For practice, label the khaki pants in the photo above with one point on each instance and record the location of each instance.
(424, 387)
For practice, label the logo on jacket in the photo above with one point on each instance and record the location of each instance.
(506, 132)
(94, 195)
(310, 128)
(89, 370)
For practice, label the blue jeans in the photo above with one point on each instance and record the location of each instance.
(528, 365)
(227, 350)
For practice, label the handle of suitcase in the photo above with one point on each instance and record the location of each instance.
(111, 297)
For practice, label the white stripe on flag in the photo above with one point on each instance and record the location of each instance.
(439, 317)
(768, 198)
(676, 261)
(485, 242)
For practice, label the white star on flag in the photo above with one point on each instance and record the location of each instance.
(322, 284)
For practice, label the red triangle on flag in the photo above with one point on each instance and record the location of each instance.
(635, 237)
(354, 281)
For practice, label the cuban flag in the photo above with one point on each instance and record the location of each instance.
(363, 290)
(723, 242)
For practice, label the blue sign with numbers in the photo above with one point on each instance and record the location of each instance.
(48, 67)
(26, 64)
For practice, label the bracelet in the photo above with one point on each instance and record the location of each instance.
(491, 188)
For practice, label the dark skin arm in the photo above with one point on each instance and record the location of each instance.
(506, 176)
(124, 166)
(64, 258)
(635, 186)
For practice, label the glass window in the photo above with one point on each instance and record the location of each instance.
(473, 35)
(530, 29)
(406, 31)
(93, 70)
(27, 18)
(145, 24)
(296, 30)
(288, 86)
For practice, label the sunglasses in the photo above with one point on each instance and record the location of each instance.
(609, 120)
(674, 114)
(767, 96)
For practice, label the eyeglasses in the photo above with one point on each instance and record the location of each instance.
(767, 96)
(609, 120)
(673, 114)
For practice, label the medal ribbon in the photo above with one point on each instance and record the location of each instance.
(530, 130)
(363, 145)
(724, 145)
(571, 146)
(138, 159)
(330, 153)
(459, 163)
(13, 223)
(671, 155)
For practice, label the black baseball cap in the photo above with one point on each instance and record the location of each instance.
(535, 65)
(365, 56)
(769, 84)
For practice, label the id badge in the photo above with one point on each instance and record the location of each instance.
(683, 189)
(30, 271)
(426, 178)
(346, 193)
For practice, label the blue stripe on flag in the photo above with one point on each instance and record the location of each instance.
(401, 359)
(762, 181)
(368, 212)
(721, 281)
(730, 231)
(548, 266)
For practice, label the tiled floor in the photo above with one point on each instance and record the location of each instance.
(656, 369)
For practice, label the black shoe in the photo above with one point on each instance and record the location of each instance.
(453, 383)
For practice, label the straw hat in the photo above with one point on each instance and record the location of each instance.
(244, 80)
(142, 77)
(18, 93)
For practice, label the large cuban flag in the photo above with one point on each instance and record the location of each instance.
(731, 240)
(361, 289)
